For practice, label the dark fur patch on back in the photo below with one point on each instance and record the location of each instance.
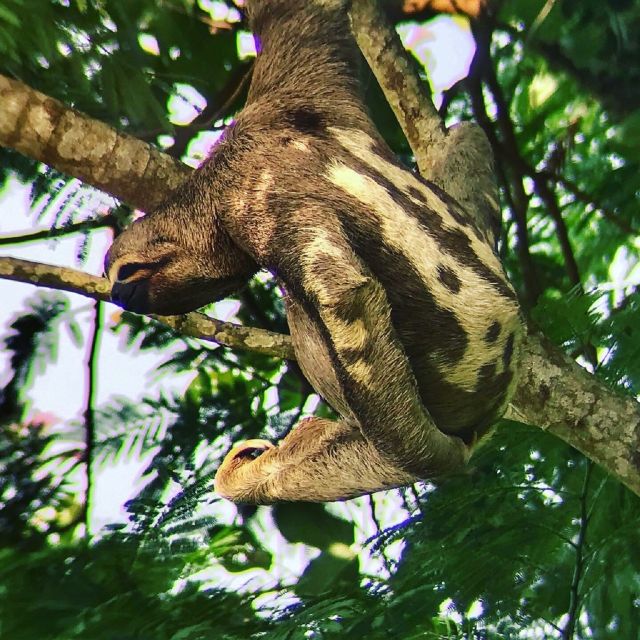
(485, 376)
(453, 207)
(449, 278)
(493, 332)
(306, 120)
(404, 285)
(508, 350)
(453, 241)
(416, 194)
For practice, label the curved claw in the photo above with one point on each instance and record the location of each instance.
(250, 449)
(228, 481)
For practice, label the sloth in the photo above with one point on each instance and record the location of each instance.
(399, 311)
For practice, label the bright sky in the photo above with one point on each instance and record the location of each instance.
(59, 392)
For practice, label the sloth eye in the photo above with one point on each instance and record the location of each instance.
(127, 271)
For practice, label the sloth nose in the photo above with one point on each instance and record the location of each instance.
(132, 296)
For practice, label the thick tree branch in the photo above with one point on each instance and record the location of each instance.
(406, 93)
(557, 395)
(194, 325)
(44, 129)
(440, 154)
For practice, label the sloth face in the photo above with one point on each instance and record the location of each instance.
(161, 268)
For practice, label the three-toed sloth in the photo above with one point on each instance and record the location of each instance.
(400, 314)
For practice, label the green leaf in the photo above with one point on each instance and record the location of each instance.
(9, 16)
(312, 525)
(333, 569)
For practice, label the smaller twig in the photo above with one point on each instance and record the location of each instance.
(89, 412)
(582, 196)
(210, 114)
(551, 203)
(416, 497)
(574, 595)
(379, 529)
(58, 232)
(541, 17)
(194, 325)
(511, 180)
(553, 625)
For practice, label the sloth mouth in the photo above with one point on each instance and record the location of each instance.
(133, 296)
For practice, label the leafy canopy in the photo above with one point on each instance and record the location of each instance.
(533, 541)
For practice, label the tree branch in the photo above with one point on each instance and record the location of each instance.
(213, 111)
(444, 156)
(515, 195)
(44, 129)
(557, 395)
(194, 325)
(580, 547)
(582, 196)
(548, 197)
(58, 232)
(89, 413)
(397, 73)
(506, 152)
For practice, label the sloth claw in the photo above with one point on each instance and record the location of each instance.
(250, 449)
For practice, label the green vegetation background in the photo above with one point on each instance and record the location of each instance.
(533, 541)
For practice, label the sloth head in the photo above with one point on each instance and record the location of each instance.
(169, 263)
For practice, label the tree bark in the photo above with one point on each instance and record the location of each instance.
(193, 325)
(44, 129)
(557, 395)
(553, 392)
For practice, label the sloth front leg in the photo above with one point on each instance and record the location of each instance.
(352, 312)
(319, 461)
(379, 386)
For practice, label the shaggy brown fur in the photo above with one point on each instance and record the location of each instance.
(398, 306)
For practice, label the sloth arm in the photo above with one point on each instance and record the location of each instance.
(321, 460)
(389, 438)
